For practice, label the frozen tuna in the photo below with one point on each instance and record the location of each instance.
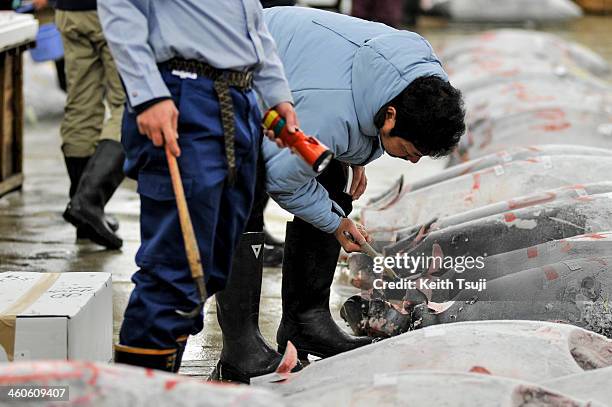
(508, 10)
(499, 183)
(436, 388)
(103, 385)
(592, 385)
(525, 350)
(514, 43)
(575, 291)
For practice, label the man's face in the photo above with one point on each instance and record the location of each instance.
(397, 146)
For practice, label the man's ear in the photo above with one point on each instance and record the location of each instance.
(391, 113)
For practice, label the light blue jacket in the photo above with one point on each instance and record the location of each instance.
(341, 71)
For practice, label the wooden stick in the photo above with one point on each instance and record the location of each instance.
(191, 244)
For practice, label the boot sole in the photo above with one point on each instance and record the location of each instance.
(96, 236)
(226, 373)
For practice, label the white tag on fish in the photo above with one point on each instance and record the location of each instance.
(573, 266)
(499, 170)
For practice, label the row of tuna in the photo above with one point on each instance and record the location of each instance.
(504, 11)
(519, 226)
(503, 363)
(510, 302)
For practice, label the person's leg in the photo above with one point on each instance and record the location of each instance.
(152, 333)
(218, 214)
(114, 93)
(255, 222)
(309, 264)
(388, 12)
(412, 8)
(84, 110)
(61, 74)
(273, 249)
(114, 96)
(95, 169)
(245, 352)
(277, 3)
(362, 9)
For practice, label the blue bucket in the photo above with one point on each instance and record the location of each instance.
(49, 45)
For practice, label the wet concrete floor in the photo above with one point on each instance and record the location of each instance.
(34, 237)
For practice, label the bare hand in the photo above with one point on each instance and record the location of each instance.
(359, 182)
(160, 124)
(39, 4)
(356, 230)
(286, 111)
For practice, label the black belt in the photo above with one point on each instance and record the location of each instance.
(222, 79)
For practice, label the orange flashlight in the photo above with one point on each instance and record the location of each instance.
(309, 148)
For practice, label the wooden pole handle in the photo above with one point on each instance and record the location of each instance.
(191, 244)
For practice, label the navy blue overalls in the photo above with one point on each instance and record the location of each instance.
(218, 210)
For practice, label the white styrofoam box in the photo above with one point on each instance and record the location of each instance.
(72, 319)
(16, 29)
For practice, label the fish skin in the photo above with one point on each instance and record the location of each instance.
(592, 385)
(490, 185)
(575, 291)
(530, 226)
(533, 351)
(517, 42)
(517, 153)
(470, 389)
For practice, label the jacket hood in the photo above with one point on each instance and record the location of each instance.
(383, 67)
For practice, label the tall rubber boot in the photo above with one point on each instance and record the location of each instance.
(308, 271)
(273, 253)
(182, 344)
(100, 179)
(245, 353)
(75, 167)
(159, 359)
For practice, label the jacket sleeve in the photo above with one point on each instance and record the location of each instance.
(126, 30)
(297, 190)
(269, 76)
(290, 181)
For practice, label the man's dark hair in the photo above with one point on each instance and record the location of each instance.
(430, 114)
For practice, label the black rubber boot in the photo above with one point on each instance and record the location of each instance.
(75, 167)
(245, 352)
(159, 359)
(101, 177)
(182, 344)
(308, 271)
(273, 253)
(273, 256)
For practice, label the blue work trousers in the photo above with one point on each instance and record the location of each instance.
(218, 210)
